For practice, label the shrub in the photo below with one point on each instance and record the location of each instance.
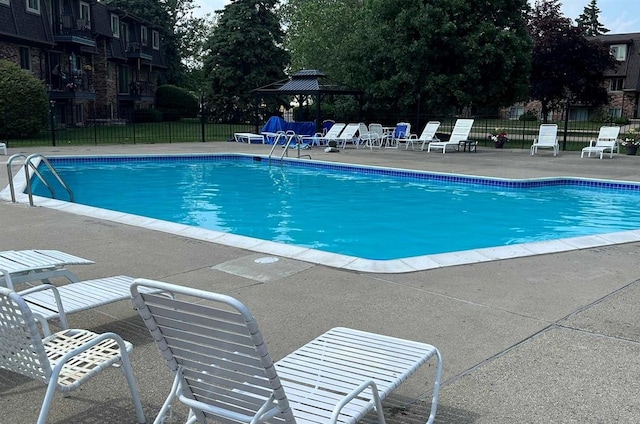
(528, 116)
(147, 115)
(621, 121)
(173, 100)
(24, 104)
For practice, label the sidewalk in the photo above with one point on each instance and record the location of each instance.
(552, 338)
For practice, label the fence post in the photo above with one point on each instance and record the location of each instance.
(566, 126)
(202, 117)
(52, 122)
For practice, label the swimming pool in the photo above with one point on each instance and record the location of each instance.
(381, 219)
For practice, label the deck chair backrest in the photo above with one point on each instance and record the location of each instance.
(461, 130)
(213, 343)
(403, 129)
(376, 129)
(547, 134)
(335, 130)
(21, 349)
(429, 130)
(326, 125)
(608, 136)
(349, 131)
(362, 129)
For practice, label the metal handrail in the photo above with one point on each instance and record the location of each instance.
(290, 136)
(28, 164)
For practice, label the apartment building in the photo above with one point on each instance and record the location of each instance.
(98, 62)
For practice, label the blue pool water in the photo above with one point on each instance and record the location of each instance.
(367, 213)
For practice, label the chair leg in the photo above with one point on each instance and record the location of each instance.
(127, 369)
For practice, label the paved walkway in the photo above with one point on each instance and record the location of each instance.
(549, 338)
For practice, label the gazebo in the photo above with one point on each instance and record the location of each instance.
(309, 83)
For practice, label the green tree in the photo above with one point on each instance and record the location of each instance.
(588, 21)
(176, 102)
(24, 103)
(566, 66)
(413, 55)
(243, 53)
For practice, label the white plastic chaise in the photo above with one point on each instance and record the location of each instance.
(223, 371)
(547, 139)
(62, 361)
(48, 300)
(249, 138)
(459, 134)
(20, 266)
(3, 147)
(427, 136)
(607, 141)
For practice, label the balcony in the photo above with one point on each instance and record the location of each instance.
(136, 51)
(138, 90)
(79, 88)
(68, 29)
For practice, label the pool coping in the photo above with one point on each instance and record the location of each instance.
(392, 266)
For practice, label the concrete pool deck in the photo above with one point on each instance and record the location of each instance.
(552, 338)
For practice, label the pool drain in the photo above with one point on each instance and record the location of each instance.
(266, 260)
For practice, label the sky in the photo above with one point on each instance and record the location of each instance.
(619, 16)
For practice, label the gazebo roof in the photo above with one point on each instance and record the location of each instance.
(306, 82)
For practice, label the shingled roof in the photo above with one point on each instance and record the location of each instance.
(307, 82)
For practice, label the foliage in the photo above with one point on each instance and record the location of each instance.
(243, 53)
(588, 22)
(621, 121)
(176, 102)
(631, 138)
(528, 115)
(24, 103)
(565, 65)
(499, 136)
(147, 115)
(412, 55)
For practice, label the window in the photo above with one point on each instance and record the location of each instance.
(619, 51)
(123, 79)
(515, 112)
(615, 112)
(155, 39)
(110, 71)
(115, 25)
(25, 58)
(144, 37)
(616, 84)
(124, 33)
(85, 16)
(33, 6)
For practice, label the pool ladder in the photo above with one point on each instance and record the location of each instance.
(29, 165)
(289, 136)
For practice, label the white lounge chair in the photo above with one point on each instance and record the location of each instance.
(348, 135)
(49, 301)
(3, 147)
(607, 141)
(427, 136)
(331, 135)
(19, 266)
(64, 360)
(223, 371)
(547, 139)
(249, 138)
(459, 134)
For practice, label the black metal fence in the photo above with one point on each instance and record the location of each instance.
(572, 135)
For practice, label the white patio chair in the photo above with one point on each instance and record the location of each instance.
(607, 141)
(64, 360)
(20, 266)
(3, 147)
(427, 136)
(348, 135)
(547, 139)
(223, 371)
(459, 134)
(366, 138)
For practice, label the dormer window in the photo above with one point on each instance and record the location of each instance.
(155, 35)
(33, 6)
(144, 36)
(619, 51)
(115, 25)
